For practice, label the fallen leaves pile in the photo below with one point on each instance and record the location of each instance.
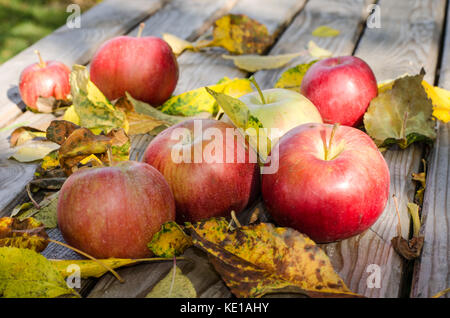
(253, 260)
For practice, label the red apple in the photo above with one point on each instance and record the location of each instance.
(341, 88)
(145, 67)
(329, 190)
(114, 211)
(217, 174)
(44, 79)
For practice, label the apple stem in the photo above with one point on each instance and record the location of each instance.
(253, 81)
(120, 279)
(41, 61)
(141, 28)
(328, 147)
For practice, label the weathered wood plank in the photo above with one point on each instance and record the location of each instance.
(345, 16)
(206, 68)
(106, 20)
(432, 270)
(407, 40)
(199, 65)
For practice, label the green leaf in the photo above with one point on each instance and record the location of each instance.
(325, 31)
(174, 285)
(240, 115)
(46, 214)
(253, 63)
(401, 115)
(94, 110)
(27, 274)
(292, 77)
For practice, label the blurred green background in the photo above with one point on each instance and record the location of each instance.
(23, 22)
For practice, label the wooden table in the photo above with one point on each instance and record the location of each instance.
(413, 34)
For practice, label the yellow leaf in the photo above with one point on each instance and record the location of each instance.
(198, 101)
(50, 161)
(71, 115)
(292, 77)
(253, 63)
(170, 241)
(27, 274)
(46, 213)
(142, 124)
(174, 285)
(240, 34)
(317, 52)
(441, 101)
(94, 110)
(177, 44)
(28, 233)
(90, 268)
(325, 31)
(259, 259)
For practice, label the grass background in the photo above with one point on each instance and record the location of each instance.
(23, 22)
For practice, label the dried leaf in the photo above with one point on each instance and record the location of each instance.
(239, 34)
(170, 241)
(23, 134)
(410, 249)
(46, 214)
(27, 274)
(174, 285)
(93, 109)
(90, 268)
(82, 143)
(325, 31)
(142, 124)
(146, 109)
(198, 101)
(177, 44)
(401, 115)
(33, 150)
(27, 233)
(259, 259)
(253, 63)
(59, 130)
(292, 77)
(317, 52)
(421, 178)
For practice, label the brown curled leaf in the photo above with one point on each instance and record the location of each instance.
(28, 233)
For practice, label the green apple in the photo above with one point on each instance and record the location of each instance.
(280, 108)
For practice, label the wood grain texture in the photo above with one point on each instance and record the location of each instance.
(345, 16)
(104, 21)
(432, 270)
(140, 279)
(208, 67)
(407, 40)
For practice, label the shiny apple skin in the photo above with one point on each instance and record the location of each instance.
(144, 67)
(52, 80)
(341, 88)
(114, 211)
(328, 200)
(204, 190)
